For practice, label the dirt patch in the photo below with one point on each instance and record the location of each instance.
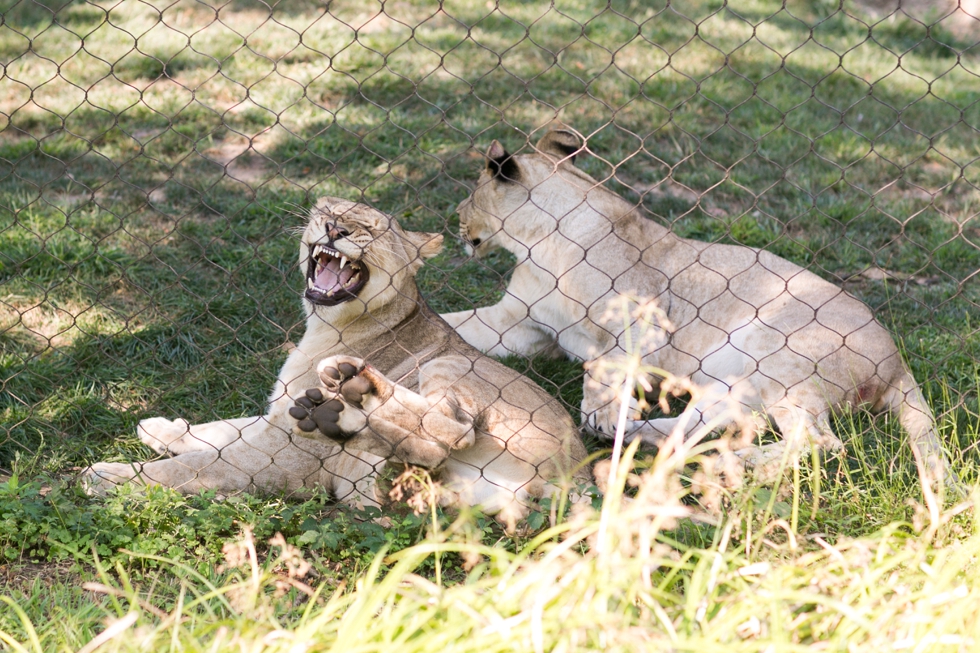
(50, 323)
(377, 24)
(875, 273)
(22, 576)
(244, 161)
(961, 17)
(45, 323)
(243, 158)
(953, 202)
(903, 190)
(668, 188)
(144, 136)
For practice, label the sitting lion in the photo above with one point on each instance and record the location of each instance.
(747, 324)
(424, 397)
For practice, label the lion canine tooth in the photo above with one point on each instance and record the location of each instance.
(309, 283)
(353, 280)
(317, 250)
(343, 262)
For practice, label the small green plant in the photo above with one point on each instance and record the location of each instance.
(51, 522)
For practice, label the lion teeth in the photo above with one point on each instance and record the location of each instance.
(343, 262)
(317, 250)
(310, 284)
(353, 280)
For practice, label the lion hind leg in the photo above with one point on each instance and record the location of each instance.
(187, 473)
(366, 411)
(906, 402)
(356, 382)
(177, 436)
(393, 442)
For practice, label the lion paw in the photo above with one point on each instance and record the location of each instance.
(765, 464)
(348, 382)
(602, 421)
(162, 435)
(349, 377)
(317, 412)
(98, 479)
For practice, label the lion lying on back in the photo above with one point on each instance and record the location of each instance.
(748, 324)
(378, 379)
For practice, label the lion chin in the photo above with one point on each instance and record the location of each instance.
(376, 382)
(768, 341)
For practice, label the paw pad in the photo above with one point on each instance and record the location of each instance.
(345, 378)
(316, 413)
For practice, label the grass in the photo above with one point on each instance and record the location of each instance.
(753, 583)
(152, 157)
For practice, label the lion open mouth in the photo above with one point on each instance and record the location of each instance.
(333, 279)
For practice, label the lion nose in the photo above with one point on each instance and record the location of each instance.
(336, 233)
(476, 241)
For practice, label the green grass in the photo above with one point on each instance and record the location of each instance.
(146, 269)
(644, 575)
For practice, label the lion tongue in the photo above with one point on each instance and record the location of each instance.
(332, 278)
(346, 274)
(328, 279)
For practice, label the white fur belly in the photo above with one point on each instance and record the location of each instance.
(736, 362)
(727, 365)
(775, 366)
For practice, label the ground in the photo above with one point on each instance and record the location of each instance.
(154, 157)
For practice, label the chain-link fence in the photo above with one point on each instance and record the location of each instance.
(155, 158)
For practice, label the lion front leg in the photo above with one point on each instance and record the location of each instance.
(503, 329)
(365, 411)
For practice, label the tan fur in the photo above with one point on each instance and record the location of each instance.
(491, 436)
(748, 324)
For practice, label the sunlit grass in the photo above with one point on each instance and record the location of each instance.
(645, 581)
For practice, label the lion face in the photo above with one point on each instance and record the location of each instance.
(523, 193)
(351, 251)
(477, 224)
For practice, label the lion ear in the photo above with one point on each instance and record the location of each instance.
(501, 163)
(561, 144)
(428, 244)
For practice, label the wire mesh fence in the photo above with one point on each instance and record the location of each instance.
(155, 158)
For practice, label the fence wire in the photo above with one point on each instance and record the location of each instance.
(155, 158)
